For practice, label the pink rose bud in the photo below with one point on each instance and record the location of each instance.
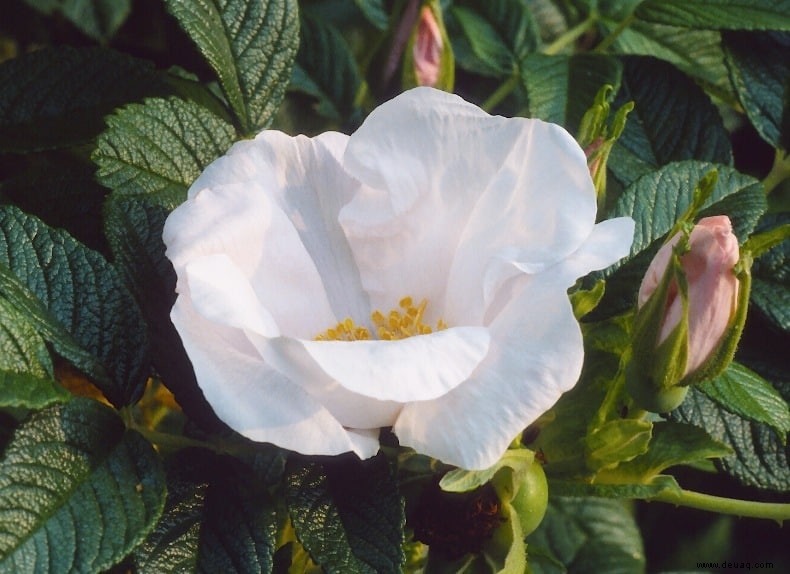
(712, 287)
(428, 48)
(691, 310)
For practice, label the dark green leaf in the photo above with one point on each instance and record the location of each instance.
(57, 98)
(761, 458)
(586, 535)
(561, 88)
(673, 119)
(99, 19)
(76, 301)
(672, 444)
(771, 278)
(160, 148)
(134, 225)
(718, 14)
(77, 492)
(374, 12)
(25, 366)
(326, 69)
(218, 518)
(656, 200)
(250, 45)
(492, 38)
(745, 393)
(760, 70)
(650, 490)
(64, 193)
(347, 514)
(697, 53)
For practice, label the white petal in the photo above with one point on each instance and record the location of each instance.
(221, 293)
(448, 188)
(271, 205)
(536, 355)
(252, 398)
(412, 369)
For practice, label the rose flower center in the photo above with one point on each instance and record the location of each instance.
(404, 321)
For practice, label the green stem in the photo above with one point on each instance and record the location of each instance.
(570, 36)
(746, 508)
(175, 442)
(780, 171)
(609, 40)
(501, 92)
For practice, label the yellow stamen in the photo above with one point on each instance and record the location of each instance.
(397, 324)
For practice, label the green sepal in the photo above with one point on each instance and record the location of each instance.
(655, 370)
(597, 138)
(446, 80)
(617, 441)
(585, 300)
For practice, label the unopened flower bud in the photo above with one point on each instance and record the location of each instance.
(427, 49)
(690, 314)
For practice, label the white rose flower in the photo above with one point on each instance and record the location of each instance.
(413, 275)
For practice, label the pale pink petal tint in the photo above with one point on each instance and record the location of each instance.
(713, 287)
(428, 48)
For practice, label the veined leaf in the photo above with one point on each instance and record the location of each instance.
(673, 119)
(745, 393)
(76, 301)
(25, 366)
(218, 518)
(251, 46)
(160, 148)
(561, 88)
(99, 19)
(586, 535)
(760, 70)
(326, 69)
(718, 14)
(656, 200)
(77, 492)
(761, 458)
(492, 37)
(347, 514)
(58, 98)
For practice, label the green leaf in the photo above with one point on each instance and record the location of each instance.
(673, 119)
(617, 441)
(99, 19)
(771, 278)
(586, 535)
(743, 392)
(560, 89)
(631, 491)
(218, 518)
(697, 53)
(655, 201)
(374, 12)
(77, 491)
(326, 69)
(134, 224)
(159, 148)
(492, 38)
(760, 458)
(672, 444)
(718, 14)
(460, 480)
(76, 301)
(58, 98)
(347, 514)
(251, 46)
(760, 71)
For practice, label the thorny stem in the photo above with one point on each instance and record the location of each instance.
(780, 171)
(745, 508)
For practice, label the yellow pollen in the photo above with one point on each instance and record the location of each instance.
(400, 323)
